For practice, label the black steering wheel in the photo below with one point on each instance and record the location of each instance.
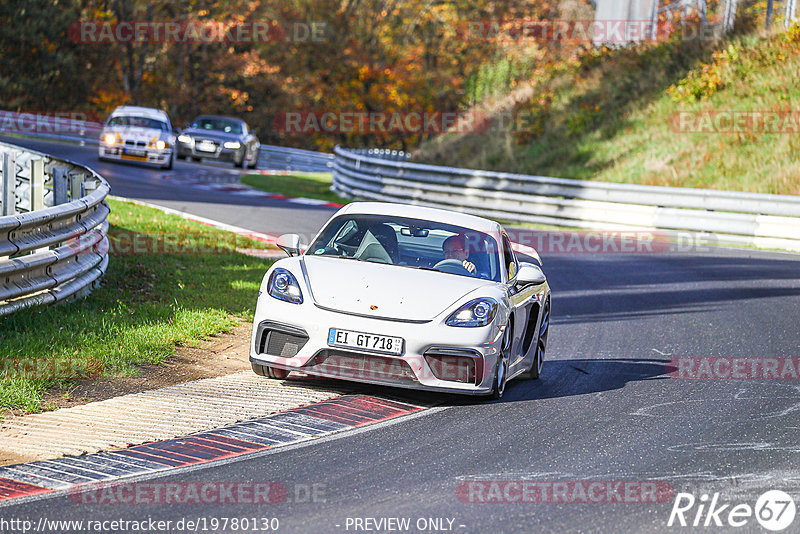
(452, 266)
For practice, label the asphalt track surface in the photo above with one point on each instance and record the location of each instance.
(605, 408)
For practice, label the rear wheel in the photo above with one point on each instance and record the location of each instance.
(269, 372)
(196, 159)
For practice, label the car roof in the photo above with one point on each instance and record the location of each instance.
(420, 212)
(226, 117)
(137, 111)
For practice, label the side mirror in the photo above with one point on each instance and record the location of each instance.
(290, 244)
(529, 274)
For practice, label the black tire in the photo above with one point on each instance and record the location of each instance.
(168, 165)
(269, 372)
(181, 156)
(241, 161)
(541, 345)
(196, 159)
(255, 162)
(501, 370)
(260, 370)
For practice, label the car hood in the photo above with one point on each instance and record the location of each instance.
(352, 286)
(135, 133)
(212, 134)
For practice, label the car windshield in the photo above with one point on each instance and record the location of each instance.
(139, 122)
(218, 125)
(410, 243)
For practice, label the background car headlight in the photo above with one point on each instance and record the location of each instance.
(232, 144)
(478, 312)
(109, 138)
(283, 286)
(161, 144)
(186, 139)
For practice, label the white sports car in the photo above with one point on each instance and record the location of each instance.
(133, 133)
(404, 296)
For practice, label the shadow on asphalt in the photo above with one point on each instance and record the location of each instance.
(560, 378)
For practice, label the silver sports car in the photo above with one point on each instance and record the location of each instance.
(405, 296)
(220, 138)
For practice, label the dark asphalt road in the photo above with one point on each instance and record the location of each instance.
(151, 184)
(604, 410)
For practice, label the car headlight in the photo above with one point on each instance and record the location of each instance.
(232, 144)
(478, 312)
(161, 144)
(109, 139)
(186, 139)
(283, 286)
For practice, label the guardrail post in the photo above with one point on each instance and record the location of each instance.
(9, 168)
(76, 186)
(60, 186)
(36, 192)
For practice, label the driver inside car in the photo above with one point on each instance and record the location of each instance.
(455, 248)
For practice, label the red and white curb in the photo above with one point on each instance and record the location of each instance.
(278, 430)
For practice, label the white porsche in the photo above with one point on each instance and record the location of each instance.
(405, 296)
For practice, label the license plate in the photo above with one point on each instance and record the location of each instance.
(361, 340)
(205, 146)
(135, 153)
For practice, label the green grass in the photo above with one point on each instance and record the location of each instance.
(148, 303)
(302, 184)
(610, 116)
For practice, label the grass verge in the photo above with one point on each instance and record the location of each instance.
(302, 184)
(616, 115)
(170, 281)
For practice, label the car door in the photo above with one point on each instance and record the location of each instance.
(521, 303)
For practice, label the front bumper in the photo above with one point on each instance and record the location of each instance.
(151, 155)
(435, 357)
(220, 153)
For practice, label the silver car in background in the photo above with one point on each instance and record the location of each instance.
(138, 134)
(220, 138)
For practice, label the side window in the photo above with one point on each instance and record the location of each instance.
(509, 260)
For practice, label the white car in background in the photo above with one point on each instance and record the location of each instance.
(404, 296)
(138, 134)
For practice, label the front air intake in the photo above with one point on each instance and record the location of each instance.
(280, 340)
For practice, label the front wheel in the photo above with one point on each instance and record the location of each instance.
(253, 164)
(501, 371)
(241, 161)
(168, 165)
(269, 372)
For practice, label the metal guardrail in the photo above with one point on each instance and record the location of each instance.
(88, 133)
(293, 159)
(761, 220)
(53, 229)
